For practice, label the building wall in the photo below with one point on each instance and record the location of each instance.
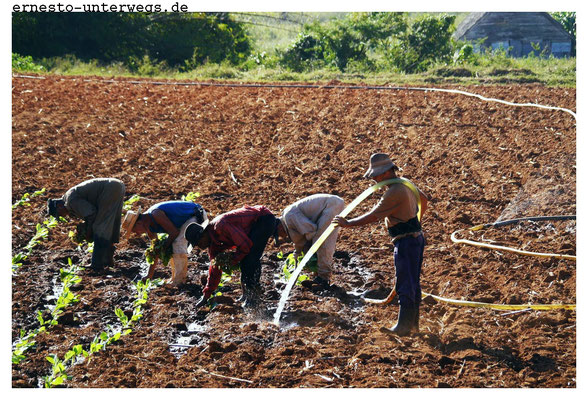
(516, 31)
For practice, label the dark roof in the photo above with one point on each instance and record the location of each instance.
(521, 25)
(467, 23)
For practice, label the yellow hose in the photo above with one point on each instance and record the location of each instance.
(502, 306)
(477, 304)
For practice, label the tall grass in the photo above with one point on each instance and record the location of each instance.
(485, 69)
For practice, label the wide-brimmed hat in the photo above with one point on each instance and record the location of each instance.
(379, 163)
(194, 232)
(129, 222)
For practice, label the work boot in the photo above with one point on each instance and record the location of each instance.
(242, 298)
(406, 318)
(100, 254)
(416, 316)
(252, 296)
(322, 282)
(110, 258)
(179, 265)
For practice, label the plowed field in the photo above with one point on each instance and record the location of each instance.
(478, 161)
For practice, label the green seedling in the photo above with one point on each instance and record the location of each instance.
(104, 338)
(68, 278)
(290, 264)
(224, 261)
(127, 205)
(41, 234)
(58, 375)
(157, 250)
(17, 260)
(191, 196)
(26, 198)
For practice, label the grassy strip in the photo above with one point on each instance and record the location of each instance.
(26, 340)
(484, 69)
(103, 339)
(41, 234)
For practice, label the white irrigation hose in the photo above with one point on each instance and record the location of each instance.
(297, 86)
(573, 114)
(454, 238)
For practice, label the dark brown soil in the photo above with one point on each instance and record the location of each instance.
(478, 162)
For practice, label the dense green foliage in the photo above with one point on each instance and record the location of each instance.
(365, 37)
(179, 40)
(25, 63)
(369, 47)
(427, 41)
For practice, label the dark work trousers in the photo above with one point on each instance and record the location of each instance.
(261, 231)
(408, 260)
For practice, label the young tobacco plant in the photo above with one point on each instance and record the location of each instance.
(103, 339)
(191, 196)
(41, 234)
(157, 250)
(290, 264)
(127, 205)
(26, 340)
(26, 198)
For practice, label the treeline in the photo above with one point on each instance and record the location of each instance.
(361, 42)
(181, 40)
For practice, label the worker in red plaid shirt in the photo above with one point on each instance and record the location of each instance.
(247, 230)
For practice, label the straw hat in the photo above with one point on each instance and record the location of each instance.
(129, 222)
(379, 163)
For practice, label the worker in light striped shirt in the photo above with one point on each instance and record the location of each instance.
(304, 221)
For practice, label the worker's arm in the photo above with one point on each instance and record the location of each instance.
(152, 268)
(161, 218)
(424, 203)
(364, 219)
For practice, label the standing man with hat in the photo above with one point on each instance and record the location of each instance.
(247, 229)
(99, 203)
(304, 221)
(400, 207)
(171, 217)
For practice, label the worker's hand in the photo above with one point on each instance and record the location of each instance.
(168, 242)
(340, 221)
(85, 230)
(201, 302)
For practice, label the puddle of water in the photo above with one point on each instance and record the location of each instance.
(187, 339)
(57, 289)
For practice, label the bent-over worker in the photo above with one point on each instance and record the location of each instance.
(304, 221)
(171, 217)
(247, 229)
(99, 203)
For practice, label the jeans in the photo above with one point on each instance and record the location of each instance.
(408, 260)
(261, 231)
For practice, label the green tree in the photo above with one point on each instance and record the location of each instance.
(337, 42)
(378, 28)
(428, 40)
(306, 51)
(178, 39)
(568, 21)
